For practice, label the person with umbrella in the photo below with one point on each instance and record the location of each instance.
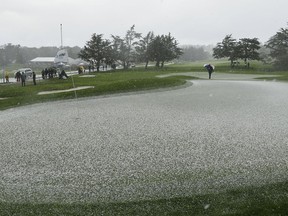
(210, 68)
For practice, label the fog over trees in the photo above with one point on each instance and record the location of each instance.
(10, 53)
(196, 52)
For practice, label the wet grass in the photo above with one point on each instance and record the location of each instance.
(283, 77)
(265, 200)
(136, 79)
(13, 95)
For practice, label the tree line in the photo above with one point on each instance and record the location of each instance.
(131, 48)
(278, 46)
(134, 48)
(274, 51)
(10, 53)
(245, 49)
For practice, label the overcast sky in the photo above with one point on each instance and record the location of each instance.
(36, 23)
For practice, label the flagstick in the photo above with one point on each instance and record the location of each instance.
(76, 98)
(74, 87)
(75, 93)
(61, 36)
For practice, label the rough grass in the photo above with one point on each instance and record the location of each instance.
(265, 200)
(104, 83)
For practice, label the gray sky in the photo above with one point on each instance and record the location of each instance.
(36, 23)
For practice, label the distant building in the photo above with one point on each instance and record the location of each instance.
(44, 62)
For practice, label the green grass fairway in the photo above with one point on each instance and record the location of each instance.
(13, 95)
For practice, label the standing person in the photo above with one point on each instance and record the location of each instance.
(34, 77)
(18, 76)
(43, 74)
(7, 76)
(23, 78)
(79, 70)
(210, 69)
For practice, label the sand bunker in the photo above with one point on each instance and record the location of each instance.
(66, 90)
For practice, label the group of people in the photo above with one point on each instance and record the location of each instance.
(21, 76)
(53, 72)
(49, 73)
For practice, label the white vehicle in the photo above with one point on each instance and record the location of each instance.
(27, 71)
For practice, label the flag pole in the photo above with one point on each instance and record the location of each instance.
(61, 36)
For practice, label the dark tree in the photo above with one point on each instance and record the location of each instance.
(227, 49)
(124, 48)
(142, 48)
(246, 49)
(163, 48)
(278, 45)
(249, 49)
(96, 50)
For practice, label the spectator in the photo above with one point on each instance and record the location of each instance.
(34, 77)
(18, 76)
(63, 74)
(23, 78)
(7, 76)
